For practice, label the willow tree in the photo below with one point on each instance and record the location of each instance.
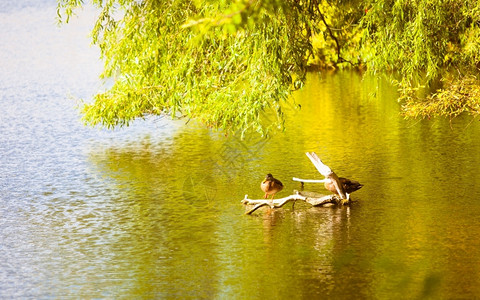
(231, 64)
(225, 64)
(434, 48)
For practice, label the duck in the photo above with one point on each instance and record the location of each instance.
(271, 186)
(349, 186)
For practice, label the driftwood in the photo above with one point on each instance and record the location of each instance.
(309, 180)
(311, 198)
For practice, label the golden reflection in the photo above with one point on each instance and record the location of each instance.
(177, 225)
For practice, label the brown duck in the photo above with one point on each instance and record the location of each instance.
(271, 186)
(349, 186)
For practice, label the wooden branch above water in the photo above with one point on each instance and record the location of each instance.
(311, 198)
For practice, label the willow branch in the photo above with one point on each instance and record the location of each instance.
(337, 43)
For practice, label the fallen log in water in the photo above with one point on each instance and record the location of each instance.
(311, 198)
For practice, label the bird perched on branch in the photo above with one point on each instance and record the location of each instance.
(337, 185)
(271, 186)
(349, 186)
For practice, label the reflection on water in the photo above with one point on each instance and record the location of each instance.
(154, 210)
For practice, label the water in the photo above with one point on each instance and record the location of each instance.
(154, 210)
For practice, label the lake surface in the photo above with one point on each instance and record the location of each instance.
(153, 210)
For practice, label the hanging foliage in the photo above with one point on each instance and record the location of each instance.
(233, 64)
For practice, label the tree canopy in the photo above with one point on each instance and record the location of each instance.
(233, 64)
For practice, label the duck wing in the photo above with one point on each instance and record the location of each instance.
(349, 185)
